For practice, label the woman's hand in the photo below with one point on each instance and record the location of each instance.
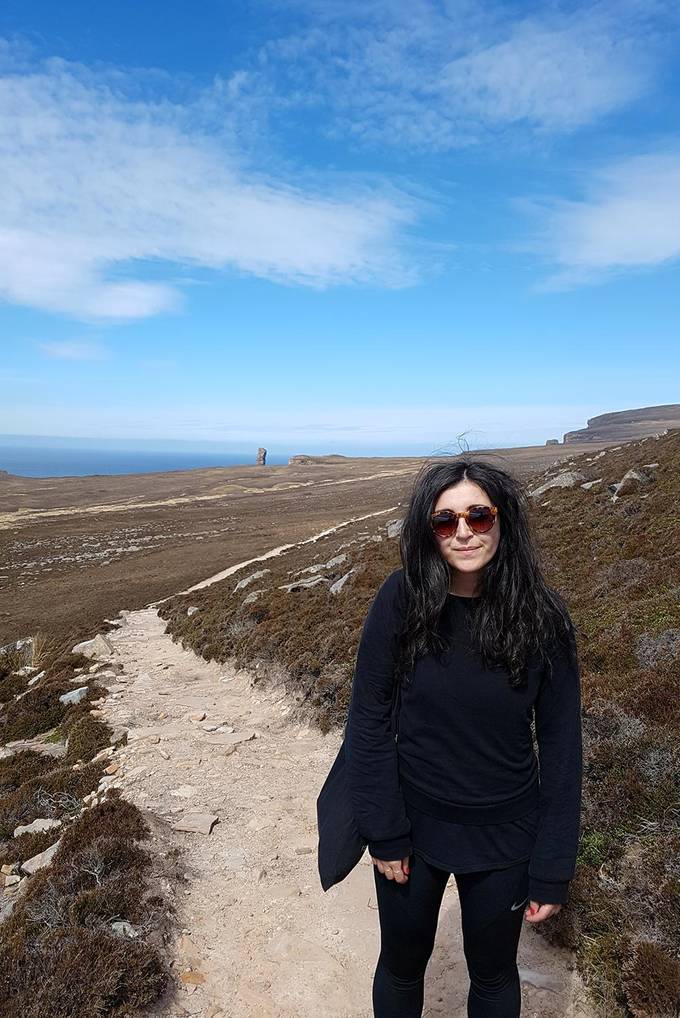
(396, 869)
(536, 912)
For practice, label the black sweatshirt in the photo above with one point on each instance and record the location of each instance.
(465, 751)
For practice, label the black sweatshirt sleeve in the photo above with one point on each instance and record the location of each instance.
(370, 748)
(557, 713)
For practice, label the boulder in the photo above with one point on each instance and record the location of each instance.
(250, 578)
(337, 560)
(98, 647)
(336, 587)
(312, 581)
(631, 481)
(36, 827)
(32, 866)
(73, 696)
(567, 479)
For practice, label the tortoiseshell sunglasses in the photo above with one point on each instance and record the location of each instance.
(479, 518)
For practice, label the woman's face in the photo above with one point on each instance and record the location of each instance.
(467, 552)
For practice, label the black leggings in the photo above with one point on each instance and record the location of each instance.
(491, 929)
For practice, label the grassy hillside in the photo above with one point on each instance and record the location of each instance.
(616, 560)
(75, 914)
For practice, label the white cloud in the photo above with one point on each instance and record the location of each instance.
(555, 77)
(439, 76)
(74, 350)
(630, 219)
(97, 181)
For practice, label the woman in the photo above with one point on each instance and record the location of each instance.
(480, 645)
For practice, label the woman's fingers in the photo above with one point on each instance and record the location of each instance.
(393, 869)
(536, 912)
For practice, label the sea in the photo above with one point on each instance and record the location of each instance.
(50, 461)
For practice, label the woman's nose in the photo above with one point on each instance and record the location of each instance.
(463, 528)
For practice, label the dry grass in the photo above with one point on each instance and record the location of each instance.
(59, 954)
(44, 648)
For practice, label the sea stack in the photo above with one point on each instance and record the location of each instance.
(261, 457)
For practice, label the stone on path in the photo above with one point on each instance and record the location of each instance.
(234, 858)
(98, 647)
(184, 791)
(196, 823)
(152, 732)
(225, 739)
(192, 976)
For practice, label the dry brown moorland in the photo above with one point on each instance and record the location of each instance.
(74, 550)
(77, 550)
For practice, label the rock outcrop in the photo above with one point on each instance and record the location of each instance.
(627, 425)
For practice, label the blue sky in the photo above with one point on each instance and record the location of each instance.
(337, 226)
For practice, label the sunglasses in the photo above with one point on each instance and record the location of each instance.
(479, 518)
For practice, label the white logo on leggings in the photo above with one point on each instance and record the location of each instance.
(513, 908)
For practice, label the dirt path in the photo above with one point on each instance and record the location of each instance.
(268, 941)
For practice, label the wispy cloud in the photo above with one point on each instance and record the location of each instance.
(630, 219)
(75, 350)
(443, 76)
(99, 181)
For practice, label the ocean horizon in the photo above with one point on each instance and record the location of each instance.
(62, 461)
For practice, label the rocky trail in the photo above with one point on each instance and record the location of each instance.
(209, 749)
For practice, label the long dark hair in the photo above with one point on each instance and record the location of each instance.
(517, 613)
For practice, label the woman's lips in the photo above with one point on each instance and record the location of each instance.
(465, 551)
